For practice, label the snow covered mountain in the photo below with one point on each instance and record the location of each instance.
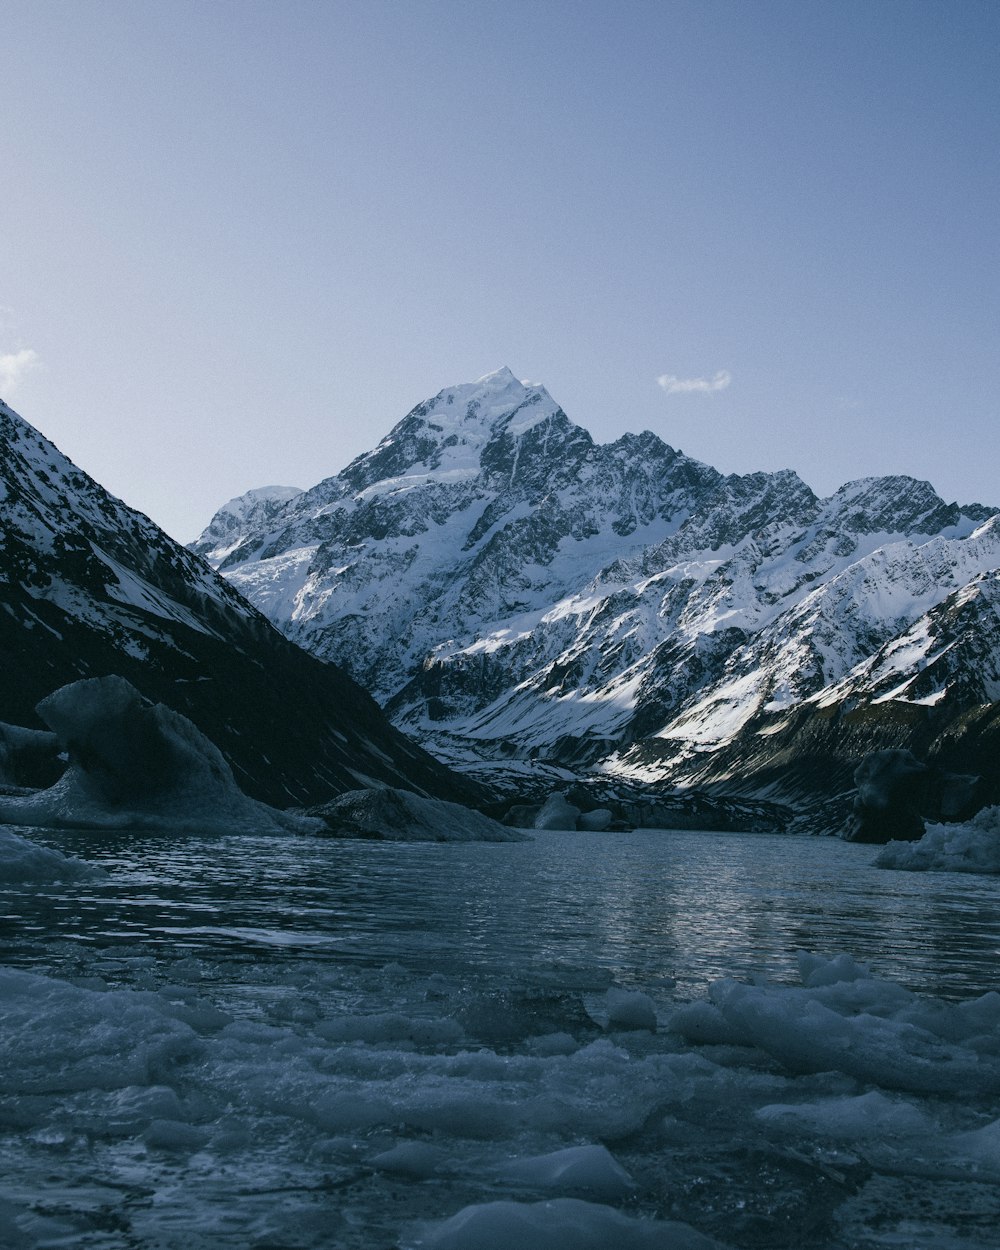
(89, 587)
(507, 587)
(252, 510)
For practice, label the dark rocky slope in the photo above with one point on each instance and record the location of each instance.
(90, 587)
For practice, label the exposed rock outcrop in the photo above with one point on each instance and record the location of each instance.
(90, 587)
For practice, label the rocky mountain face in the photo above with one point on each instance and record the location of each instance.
(510, 589)
(89, 587)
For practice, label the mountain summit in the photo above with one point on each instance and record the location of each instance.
(506, 586)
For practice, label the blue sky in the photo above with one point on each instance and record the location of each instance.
(239, 240)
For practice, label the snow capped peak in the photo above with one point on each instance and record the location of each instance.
(497, 577)
(446, 437)
(502, 377)
(494, 397)
(242, 504)
(272, 492)
(254, 507)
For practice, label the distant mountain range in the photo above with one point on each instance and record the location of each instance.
(511, 590)
(90, 587)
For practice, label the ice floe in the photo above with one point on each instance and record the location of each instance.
(560, 1224)
(317, 1107)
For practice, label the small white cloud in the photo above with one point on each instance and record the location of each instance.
(694, 386)
(14, 366)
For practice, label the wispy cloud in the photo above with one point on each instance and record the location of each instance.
(14, 366)
(694, 386)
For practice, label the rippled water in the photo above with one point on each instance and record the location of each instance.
(501, 944)
(695, 906)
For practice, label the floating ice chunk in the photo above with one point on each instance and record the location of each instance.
(59, 1037)
(416, 1159)
(125, 1112)
(590, 1168)
(630, 1009)
(28, 757)
(136, 764)
(970, 847)
(872, 1030)
(982, 1144)
(21, 860)
(390, 1027)
(705, 1025)
(557, 813)
(561, 1224)
(393, 814)
(817, 970)
(867, 1115)
(506, 1016)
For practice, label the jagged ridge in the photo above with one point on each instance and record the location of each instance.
(507, 586)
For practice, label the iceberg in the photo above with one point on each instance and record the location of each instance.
(970, 847)
(630, 1009)
(398, 815)
(557, 813)
(137, 764)
(888, 785)
(28, 757)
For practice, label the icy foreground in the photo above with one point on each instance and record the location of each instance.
(139, 765)
(460, 1123)
(970, 847)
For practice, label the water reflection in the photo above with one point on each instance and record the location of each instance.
(639, 906)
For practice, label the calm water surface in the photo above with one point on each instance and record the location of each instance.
(642, 906)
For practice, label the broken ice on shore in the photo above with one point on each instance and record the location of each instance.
(324, 1116)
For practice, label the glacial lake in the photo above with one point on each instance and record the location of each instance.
(291, 1043)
